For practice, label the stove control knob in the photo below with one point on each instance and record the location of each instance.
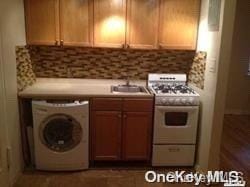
(191, 101)
(183, 101)
(171, 101)
(163, 101)
(167, 102)
(158, 101)
(177, 101)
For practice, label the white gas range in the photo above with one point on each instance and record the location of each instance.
(171, 89)
(175, 121)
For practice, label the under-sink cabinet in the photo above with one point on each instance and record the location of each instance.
(121, 129)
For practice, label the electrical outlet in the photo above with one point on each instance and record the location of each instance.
(212, 65)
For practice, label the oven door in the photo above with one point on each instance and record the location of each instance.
(175, 124)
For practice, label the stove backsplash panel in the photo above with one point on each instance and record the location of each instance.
(104, 63)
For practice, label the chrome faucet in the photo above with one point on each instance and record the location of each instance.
(127, 81)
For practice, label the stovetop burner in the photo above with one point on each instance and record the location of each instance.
(172, 89)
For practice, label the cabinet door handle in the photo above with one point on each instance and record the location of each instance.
(56, 42)
(119, 115)
(174, 149)
(124, 116)
(61, 42)
(128, 46)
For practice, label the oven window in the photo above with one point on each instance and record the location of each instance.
(176, 118)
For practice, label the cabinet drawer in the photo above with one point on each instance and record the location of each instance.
(138, 105)
(106, 104)
(173, 155)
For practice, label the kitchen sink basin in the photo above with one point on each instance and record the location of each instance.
(128, 89)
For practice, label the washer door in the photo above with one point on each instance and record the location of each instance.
(60, 133)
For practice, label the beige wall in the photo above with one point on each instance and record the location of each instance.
(12, 34)
(238, 96)
(221, 86)
(218, 46)
(4, 177)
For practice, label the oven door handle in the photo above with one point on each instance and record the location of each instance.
(177, 108)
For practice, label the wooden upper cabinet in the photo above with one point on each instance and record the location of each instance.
(76, 22)
(142, 23)
(179, 23)
(109, 23)
(42, 22)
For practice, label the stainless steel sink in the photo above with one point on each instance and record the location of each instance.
(128, 89)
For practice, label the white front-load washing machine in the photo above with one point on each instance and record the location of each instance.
(61, 133)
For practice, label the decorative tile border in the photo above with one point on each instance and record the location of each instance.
(198, 68)
(25, 73)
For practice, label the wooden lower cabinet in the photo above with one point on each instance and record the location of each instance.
(121, 133)
(136, 135)
(106, 135)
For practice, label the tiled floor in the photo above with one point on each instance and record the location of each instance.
(235, 143)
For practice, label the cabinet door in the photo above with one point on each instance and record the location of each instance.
(142, 23)
(42, 22)
(179, 23)
(109, 23)
(106, 135)
(137, 135)
(76, 17)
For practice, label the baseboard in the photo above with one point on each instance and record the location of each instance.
(199, 170)
(237, 112)
(18, 175)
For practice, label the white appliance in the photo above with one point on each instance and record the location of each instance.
(175, 120)
(61, 133)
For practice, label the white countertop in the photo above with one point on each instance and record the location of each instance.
(72, 88)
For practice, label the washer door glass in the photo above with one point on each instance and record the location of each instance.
(61, 133)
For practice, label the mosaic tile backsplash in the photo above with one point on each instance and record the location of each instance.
(198, 68)
(25, 73)
(97, 63)
(103, 63)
